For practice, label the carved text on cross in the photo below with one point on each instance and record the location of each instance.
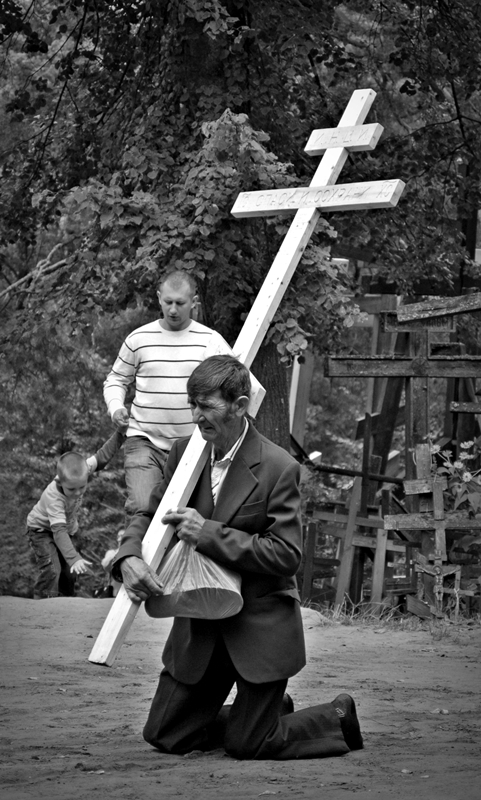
(340, 197)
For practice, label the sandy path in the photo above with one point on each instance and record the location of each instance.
(71, 729)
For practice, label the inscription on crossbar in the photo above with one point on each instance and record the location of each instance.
(343, 196)
(353, 138)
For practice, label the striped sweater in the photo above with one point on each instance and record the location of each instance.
(160, 363)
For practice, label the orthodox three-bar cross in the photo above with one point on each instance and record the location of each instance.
(335, 143)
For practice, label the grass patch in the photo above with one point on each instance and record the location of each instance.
(393, 618)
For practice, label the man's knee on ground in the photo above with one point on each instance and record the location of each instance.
(173, 750)
(241, 751)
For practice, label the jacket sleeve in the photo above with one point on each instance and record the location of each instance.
(263, 537)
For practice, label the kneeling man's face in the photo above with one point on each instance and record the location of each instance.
(219, 421)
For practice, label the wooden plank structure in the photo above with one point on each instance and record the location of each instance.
(413, 370)
(313, 566)
(419, 366)
(355, 543)
(349, 528)
(433, 561)
(376, 428)
(439, 307)
(319, 195)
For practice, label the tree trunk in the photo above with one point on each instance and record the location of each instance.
(273, 416)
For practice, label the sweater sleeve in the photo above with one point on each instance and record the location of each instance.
(119, 378)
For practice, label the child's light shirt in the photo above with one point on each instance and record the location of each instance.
(59, 514)
(54, 508)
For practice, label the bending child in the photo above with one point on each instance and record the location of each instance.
(54, 520)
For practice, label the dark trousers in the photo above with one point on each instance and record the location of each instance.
(183, 716)
(54, 577)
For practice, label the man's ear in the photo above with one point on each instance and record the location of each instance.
(242, 404)
(160, 304)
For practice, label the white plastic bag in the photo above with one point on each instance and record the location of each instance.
(195, 586)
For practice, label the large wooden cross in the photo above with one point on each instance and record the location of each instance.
(335, 143)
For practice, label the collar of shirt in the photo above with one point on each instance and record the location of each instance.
(230, 455)
(219, 468)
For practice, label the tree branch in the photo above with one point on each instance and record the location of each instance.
(42, 268)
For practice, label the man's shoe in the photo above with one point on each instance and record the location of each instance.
(346, 709)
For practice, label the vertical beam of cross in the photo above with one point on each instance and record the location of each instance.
(158, 536)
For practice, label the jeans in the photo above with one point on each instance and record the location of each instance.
(54, 578)
(144, 469)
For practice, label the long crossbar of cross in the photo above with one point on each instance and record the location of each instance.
(349, 135)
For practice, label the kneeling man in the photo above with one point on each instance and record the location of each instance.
(245, 514)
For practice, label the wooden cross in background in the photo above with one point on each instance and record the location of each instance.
(336, 144)
(431, 525)
(426, 359)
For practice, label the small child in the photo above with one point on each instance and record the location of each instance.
(53, 520)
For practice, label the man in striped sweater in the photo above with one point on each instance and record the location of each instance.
(159, 358)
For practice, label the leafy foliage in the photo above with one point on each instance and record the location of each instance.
(155, 116)
(127, 130)
(136, 124)
(421, 54)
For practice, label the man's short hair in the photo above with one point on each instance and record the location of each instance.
(72, 467)
(178, 278)
(224, 373)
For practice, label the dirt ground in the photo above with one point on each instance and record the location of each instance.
(72, 729)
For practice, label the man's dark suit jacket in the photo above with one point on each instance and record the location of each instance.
(255, 529)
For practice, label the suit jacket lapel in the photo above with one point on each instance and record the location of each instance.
(203, 493)
(240, 480)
